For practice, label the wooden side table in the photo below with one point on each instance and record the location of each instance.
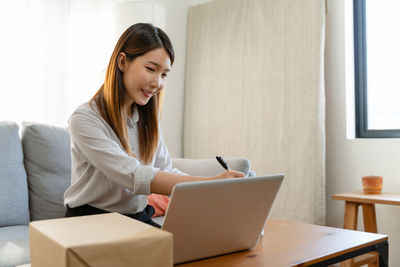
(352, 201)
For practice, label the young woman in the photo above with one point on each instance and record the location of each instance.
(118, 153)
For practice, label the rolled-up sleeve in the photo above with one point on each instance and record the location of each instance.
(106, 154)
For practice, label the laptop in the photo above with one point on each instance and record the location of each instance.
(216, 217)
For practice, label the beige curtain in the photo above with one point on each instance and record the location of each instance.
(255, 89)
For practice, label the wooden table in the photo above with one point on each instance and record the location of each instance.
(367, 201)
(355, 199)
(299, 244)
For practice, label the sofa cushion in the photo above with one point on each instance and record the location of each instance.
(14, 245)
(13, 185)
(47, 157)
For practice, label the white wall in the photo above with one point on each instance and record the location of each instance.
(172, 117)
(349, 159)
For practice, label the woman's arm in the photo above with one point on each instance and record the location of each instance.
(167, 177)
(163, 182)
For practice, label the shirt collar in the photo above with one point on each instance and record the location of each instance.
(135, 117)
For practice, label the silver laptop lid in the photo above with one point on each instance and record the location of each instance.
(210, 218)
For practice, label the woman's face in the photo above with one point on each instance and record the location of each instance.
(144, 76)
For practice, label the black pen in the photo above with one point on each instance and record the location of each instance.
(223, 163)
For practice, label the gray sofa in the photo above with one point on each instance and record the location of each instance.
(35, 171)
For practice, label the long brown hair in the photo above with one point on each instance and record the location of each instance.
(136, 41)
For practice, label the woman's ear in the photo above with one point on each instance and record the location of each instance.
(121, 61)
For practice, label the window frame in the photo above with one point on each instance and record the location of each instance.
(360, 77)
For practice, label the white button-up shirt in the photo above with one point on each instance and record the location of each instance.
(103, 175)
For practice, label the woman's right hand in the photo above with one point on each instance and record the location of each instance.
(229, 174)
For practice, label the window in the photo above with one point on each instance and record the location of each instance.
(376, 59)
(54, 53)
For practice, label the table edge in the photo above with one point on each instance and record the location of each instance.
(356, 199)
(339, 253)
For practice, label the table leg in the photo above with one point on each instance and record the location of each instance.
(370, 225)
(383, 250)
(369, 215)
(350, 222)
(350, 215)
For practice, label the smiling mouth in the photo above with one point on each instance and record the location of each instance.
(147, 93)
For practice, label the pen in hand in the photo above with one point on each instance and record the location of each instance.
(223, 163)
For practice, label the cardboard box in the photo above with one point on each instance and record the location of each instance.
(98, 240)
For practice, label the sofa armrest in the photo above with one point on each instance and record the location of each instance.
(211, 167)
